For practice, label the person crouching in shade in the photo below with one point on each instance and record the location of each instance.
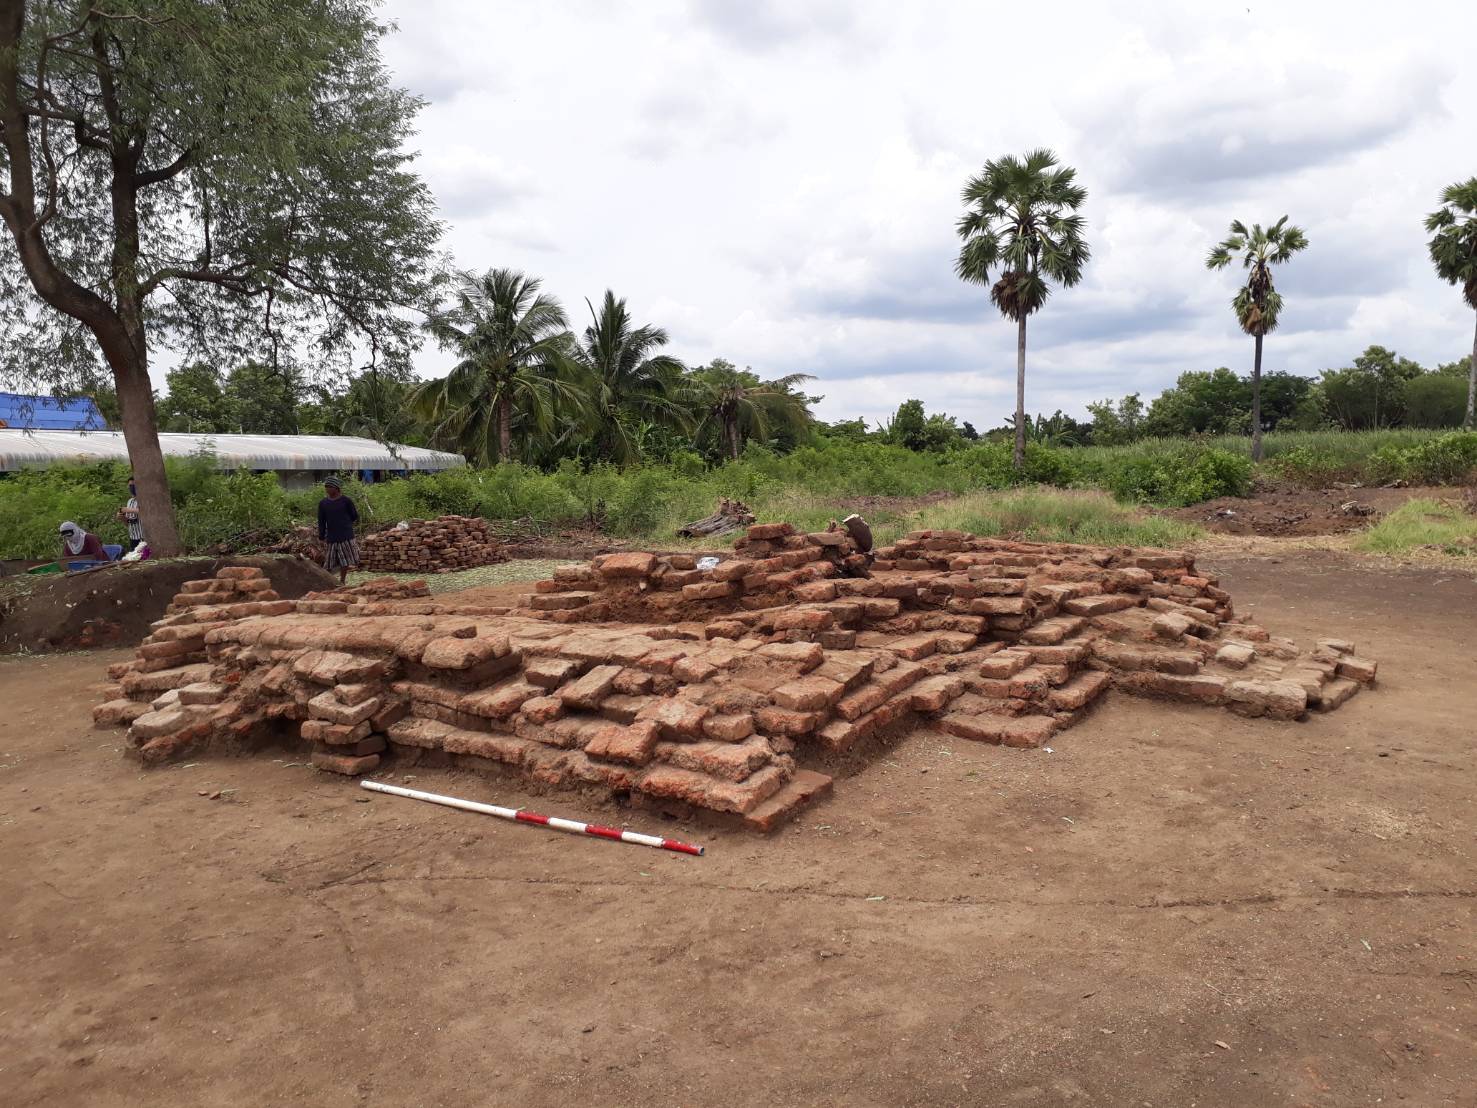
(81, 545)
(336, 518)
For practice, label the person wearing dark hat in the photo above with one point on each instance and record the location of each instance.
(336, 518)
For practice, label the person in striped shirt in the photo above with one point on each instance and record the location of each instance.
(129, 514)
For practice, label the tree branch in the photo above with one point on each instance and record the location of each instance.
(163, 173)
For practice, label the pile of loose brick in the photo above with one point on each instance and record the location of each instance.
(685, 689)
(431, 546)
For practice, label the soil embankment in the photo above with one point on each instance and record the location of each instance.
(115, 605)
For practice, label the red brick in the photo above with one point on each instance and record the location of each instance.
(1099, 605)
(455, 653)
(631, 744)
(549, 673)
(708, 590)
(346, 764)
(731, 761)
(334, 734)
(783, 721)
(560, 601)
(729, 727)
(764, 531)
(542, 709)
(1358, 669)
(999, 605)
(500, 701)
(693, 670)
(589, 690)
(733, 570)
(1010, 730)
(804, 619)
(326, 706)
(700, 790)
(678, 718)
(932, 694)
(804, 656)
(808, 694)
(1079, 692)
(629, 565)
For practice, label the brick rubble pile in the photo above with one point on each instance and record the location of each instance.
(431, 546)
(647, 678)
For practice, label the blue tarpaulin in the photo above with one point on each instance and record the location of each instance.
(46, 413)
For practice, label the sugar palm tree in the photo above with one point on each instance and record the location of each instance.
(514, 369)
(1021, 231)
(1453, 228)
(1257, 303)
(739, 406)
(629, 386)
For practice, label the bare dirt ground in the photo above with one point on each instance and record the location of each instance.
(1287, 510)
(1175, 907)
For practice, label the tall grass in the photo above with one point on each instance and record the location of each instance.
(1052, 515)
(1342, 447)
(1422, 523)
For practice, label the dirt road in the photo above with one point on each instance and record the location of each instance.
(1175, 907)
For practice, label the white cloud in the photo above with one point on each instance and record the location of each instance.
(776, 182)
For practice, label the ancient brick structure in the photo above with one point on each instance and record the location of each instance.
(677, 687)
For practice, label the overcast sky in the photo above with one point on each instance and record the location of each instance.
(776, 182)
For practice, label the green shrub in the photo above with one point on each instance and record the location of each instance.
(1449, 459)
(1187, 475)
(33, 503)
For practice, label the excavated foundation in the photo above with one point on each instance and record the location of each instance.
(708, 690)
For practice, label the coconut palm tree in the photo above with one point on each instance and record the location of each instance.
(1257, 303)
(1021, 231)
(629, 387)
(1453, 228)
(739, 406)
(514, 369)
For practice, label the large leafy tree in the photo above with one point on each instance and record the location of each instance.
(1022, 231)
(1453, 246)
(629, 387)
(225, 178)
(1257, 304)
(738, 406)
(196, 402)
(514, 372)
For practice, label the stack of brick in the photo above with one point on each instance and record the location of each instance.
(774, 566)
(431, 546)
(720, 679)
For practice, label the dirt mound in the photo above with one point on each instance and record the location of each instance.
(115, 606)
(1288, 510)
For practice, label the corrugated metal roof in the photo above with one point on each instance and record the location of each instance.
(19, 449)
(46, 413)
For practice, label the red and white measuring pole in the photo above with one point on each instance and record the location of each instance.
(521, 816)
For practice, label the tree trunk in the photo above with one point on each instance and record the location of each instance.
(731, 433)
(504, 430)
(141, 433)
(1256, 403)
(1019, 460)
(1472, 384)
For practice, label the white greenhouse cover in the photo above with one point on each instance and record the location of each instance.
(19, 448)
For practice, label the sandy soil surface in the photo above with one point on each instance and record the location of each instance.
(1174, 907)
(1287, 510)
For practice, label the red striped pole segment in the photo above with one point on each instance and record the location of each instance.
(519, 815)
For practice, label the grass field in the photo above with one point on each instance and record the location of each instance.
(1423, 524)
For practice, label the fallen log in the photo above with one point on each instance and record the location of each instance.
(731, 515)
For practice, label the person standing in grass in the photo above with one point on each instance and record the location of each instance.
(336, 518)
(129, 514)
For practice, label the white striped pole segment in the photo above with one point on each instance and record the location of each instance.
(519, 815)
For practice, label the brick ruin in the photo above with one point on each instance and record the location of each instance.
(726, 689)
